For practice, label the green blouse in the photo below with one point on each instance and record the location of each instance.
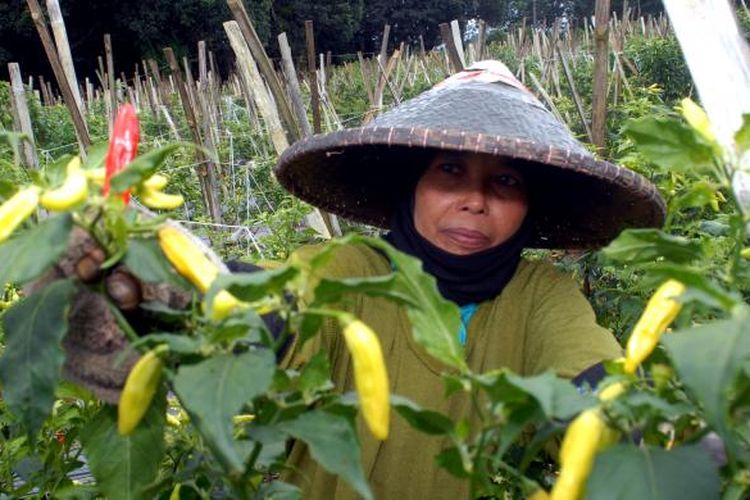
(541, 321)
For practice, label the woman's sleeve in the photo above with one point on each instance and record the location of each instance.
(563, 334)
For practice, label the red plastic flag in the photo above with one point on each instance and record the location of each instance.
(123, 145)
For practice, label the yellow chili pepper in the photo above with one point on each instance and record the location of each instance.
(540, 494)
(150, 193)
(154, 198)
(661, 310)
(586, 435)
(16, 209)
(156, 182)
(139, 390)
(370, 376)
(612, 391)
(96, 175)
(697, 118)
(73, 191)
(243, 419)
(173, 421)
(192, 263)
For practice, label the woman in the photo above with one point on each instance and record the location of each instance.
(465, 176)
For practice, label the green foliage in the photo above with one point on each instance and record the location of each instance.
(630, 473)
(659, 61)
(33, 356)
(125, 465)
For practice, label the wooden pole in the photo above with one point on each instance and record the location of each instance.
(383, 56)
(365, 73)
(63, 48)
(21, 117)
(264, 65)
(481, 39)
(457, 41)
(110, 74)
(251, 78)
(45, 95)
(293, 86)
(574, 92)
(82, 134)
(256, 88)
(205, 167)
(156, 75)
(601, 69)
(313, 75)
(455, 60)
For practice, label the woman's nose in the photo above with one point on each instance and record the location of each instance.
(473, 200)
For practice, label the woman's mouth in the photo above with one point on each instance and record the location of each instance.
(467, 238)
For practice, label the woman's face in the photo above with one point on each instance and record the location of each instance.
(469, 202)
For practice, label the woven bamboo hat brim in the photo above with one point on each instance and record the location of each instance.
(363, 173)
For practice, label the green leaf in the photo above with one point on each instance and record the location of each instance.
(647, 245)
(709, 358)
(450, 459)
(670, 143)
(628, 472)
(144, 166)
(427, 421)
(558, 398)
(14, 140)
(35, 250)
(331, 291)
(252, 286)
(7, 189)
(742, 136)
(435, 320)
(333, 444)
(148, 263)
(214, 390)
(701, 287)
(697, 195)
(279, 490)
(55, 172)
(124, 465)
(308, 326)
(177, 343)
(315, 375)
(33, 358)
(95, 156)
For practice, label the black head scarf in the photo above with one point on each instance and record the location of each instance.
(463, 279)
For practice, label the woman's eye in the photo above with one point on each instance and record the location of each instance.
(450, 168)
(507, 181)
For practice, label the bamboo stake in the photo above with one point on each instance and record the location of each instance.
(457, 42)
(45, 95)
(264, 65)
(251, 78)
(576, 97)
(293, 86)
(450, 48)
(363, 69)
(313, 75)
(205, 167)
(21, 117)
(481, 39)
(110, 79)
(82, 134)
(63, 48)
(601, 67)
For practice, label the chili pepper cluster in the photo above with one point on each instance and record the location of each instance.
(74, 191)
